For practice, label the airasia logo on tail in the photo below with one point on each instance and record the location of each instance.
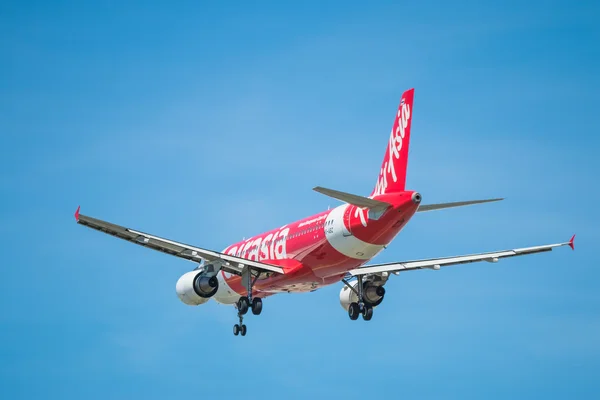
(394, 146)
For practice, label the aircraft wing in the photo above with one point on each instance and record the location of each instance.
(229, 263)
(437, 263)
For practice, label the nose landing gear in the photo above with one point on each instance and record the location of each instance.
(239, 328)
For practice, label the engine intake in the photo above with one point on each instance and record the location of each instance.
(195, 288)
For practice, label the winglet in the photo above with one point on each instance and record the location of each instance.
(572, 243)
(77, 214)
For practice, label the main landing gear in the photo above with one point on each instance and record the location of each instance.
(357, 309)
(361, 307)
(246, 303)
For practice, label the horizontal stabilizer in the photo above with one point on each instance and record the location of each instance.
(353, 199)
(432, 207)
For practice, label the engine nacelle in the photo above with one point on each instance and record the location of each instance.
(195, 288)
(372, 293)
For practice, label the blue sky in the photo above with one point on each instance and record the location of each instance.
(206, 122)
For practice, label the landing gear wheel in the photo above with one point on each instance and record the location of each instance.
(353, 311)
(236, 330)
(243, 330)
(367, 313)
(243, 305)
(256, 306)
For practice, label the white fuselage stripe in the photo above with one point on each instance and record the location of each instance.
(343, 241)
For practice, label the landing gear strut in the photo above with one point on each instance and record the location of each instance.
(247, 302)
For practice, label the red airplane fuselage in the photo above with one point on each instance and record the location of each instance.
(320, 249)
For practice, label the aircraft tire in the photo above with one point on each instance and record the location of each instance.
(243, 305)
(257, 305)
(353, 311)
(367, 313)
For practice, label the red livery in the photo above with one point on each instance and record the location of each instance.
(327, 248)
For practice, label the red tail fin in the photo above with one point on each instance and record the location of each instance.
(392, 177)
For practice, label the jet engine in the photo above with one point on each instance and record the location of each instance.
(372, 293)
(196, 287)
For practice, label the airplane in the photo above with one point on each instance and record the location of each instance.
(327, 248)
